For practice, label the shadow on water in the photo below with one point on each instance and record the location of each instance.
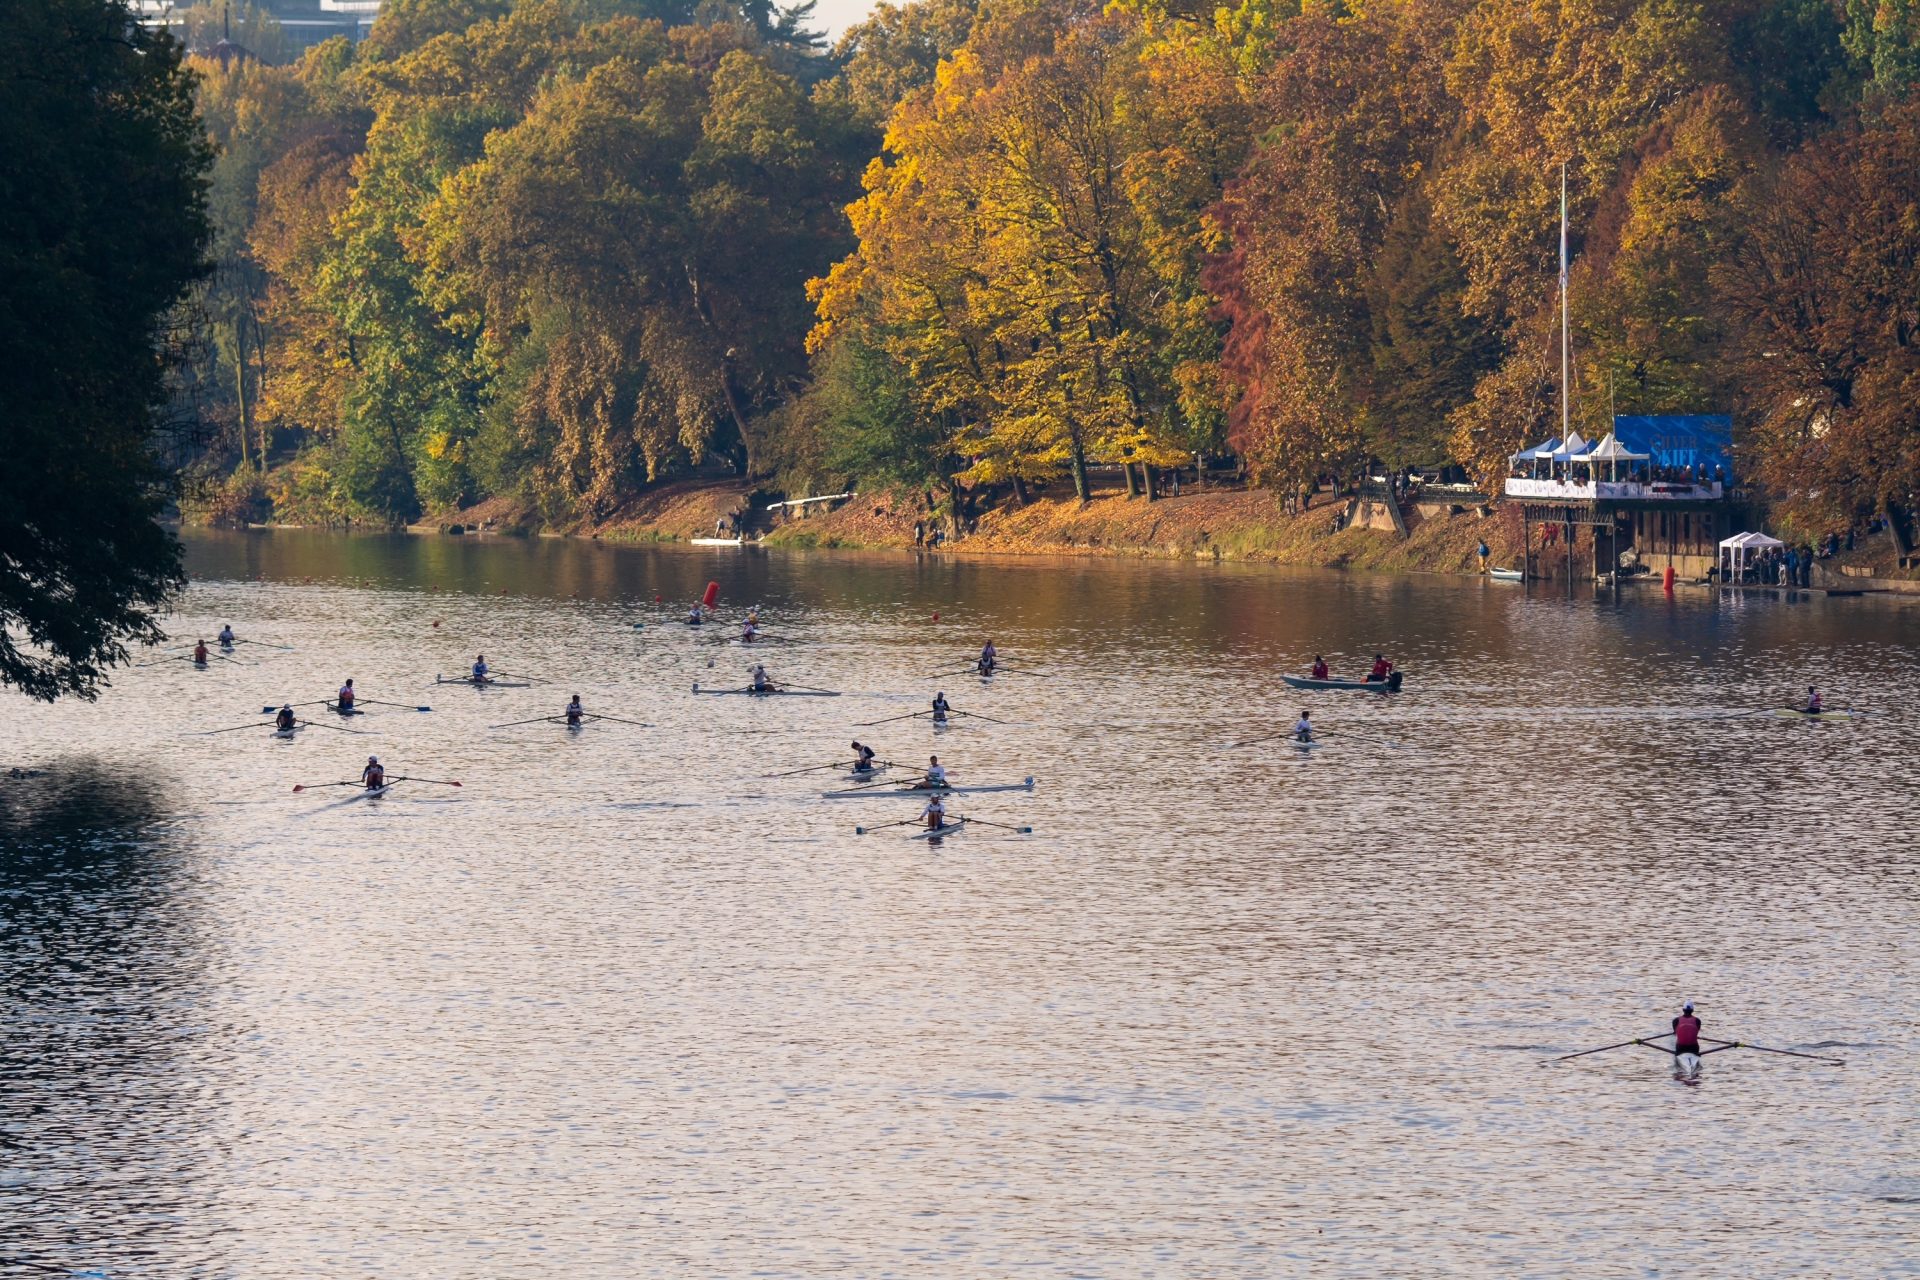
(102, 983)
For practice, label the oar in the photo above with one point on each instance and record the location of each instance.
(515, 675)
(874, 786)
(865, 831)
(402, 705)
(224, 658)
(963, 671)
(793, 773)
(805, 688)
(234, 729)
(315, 724)
(911, 715)
(1254, 742)
(437, 782)
(511, 723)
(315, 786)
(975, 715)
(594, 715)
(1022, 671)
(1785, 1053)
(317, 702)
(1602, 1049)
(1366, 737)
(266, 644)
(1025, 831)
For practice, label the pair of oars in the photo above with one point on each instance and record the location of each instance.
(310, 724)
(915, 715)
(585, 716)
(1338, 733)
(372, 702)
(356, 782)
(908, 822)
(1725, 1045)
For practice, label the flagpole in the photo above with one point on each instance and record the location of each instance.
(1566, 387)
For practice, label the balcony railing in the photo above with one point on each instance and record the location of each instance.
(1615, 490)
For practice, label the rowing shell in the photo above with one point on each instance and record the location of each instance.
(769, 693)
(484, 684)
(372, 793)
(944, 829)
(921, 793)
(1686, 1065)
(1390, 685)
(287, 733)
(1790, 713)
(339, 710)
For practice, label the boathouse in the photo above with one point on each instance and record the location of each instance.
(1661, 487)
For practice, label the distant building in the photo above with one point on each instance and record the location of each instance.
(305, 23)
(1659, 486)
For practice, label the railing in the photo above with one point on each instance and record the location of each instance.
(1615, 490)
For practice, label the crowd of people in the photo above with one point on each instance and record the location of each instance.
(1785, 566)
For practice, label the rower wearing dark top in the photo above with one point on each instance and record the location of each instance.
(989, 659)
(1686, 1033)
(1319, 667)
(940, 708)
(1813, 701)
(862, 758)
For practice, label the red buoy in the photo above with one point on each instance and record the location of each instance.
(713, 593)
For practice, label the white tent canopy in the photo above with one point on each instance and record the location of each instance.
(1735, 550)
(1611, 450)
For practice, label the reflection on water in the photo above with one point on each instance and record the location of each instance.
(622, 1005)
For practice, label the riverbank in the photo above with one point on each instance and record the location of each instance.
(1248, 525)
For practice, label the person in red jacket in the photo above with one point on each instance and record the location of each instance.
(1381, 668)
(1686, 1033)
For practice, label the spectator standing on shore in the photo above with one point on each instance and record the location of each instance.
(1484, 552)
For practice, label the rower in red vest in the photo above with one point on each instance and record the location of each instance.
(1319, 667)
(1381, 668)
(1686, 1032)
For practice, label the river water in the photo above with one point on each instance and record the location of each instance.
(622, 1006)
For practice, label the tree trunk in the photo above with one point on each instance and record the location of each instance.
(1147, 483)
(1126, 469)
(1079, 455)
(240, 386)
(1019, 492)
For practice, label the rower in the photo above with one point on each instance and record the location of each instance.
(1303, 731)
(1320, 668)
(285, 719)
(575, 712)
(940, 708)
(343, 700)
(374, 775)
(1381, 668)
(862, 758)
(200, 653)
(693, 616)
(226, 635)
(761, 684)
(989, 659)
(936, 773)
(480, 669)
(1686, 1033)
(750, 628)
(935, 813)
(1813, 701)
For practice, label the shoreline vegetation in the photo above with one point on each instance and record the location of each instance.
(565, 256)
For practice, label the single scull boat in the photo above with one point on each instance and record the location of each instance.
(770, 693)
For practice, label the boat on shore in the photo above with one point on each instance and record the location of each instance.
(1507, 575)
